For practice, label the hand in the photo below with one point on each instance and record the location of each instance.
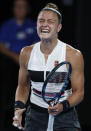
(56, 109)
(17, 119)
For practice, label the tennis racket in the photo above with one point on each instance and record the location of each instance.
(55, 85)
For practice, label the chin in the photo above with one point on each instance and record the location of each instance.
(44, 37)
(46, 40)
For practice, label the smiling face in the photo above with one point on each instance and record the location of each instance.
(48, 25)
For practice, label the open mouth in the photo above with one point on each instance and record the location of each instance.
(44, 31)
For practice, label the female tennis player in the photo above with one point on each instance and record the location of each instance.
(35, 64)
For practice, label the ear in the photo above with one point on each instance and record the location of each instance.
(59, 27)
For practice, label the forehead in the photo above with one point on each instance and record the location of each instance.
(20, 2)
(47, 14)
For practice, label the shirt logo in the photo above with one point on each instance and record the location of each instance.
(56, 62)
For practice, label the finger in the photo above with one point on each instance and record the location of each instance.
(53, 113)
(15, 125)
(18, 125)
(17, 121)
(52, 108)
(15, 118)
(18, 114)
(23, 110)
(56, 112)
(21, 128)
(20, 111)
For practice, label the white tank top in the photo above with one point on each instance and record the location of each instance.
(39, 69)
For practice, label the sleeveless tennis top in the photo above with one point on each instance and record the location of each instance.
(39, 70)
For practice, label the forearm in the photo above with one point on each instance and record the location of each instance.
(22, 94)
(72, 101)
(9, 53)
(76, 98)
(19, 106)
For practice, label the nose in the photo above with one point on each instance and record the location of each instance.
(45, 23)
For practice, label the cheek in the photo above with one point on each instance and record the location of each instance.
(54, 29)
(38, 24)
(38, 28)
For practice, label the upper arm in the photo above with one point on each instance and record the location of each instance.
(23, 79)
(22, 91)
(77, 76)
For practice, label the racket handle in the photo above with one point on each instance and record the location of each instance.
(50, 122)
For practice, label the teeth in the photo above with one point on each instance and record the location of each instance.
(45, 31)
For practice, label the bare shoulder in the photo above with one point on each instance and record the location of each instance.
(74, 56)
(25, 55)
(26, 51)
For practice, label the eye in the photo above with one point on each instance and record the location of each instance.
(51, 21)
(41, 20)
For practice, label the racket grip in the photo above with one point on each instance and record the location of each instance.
(50, 122)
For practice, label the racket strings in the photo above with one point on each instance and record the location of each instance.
(58, 77)
(57, 80)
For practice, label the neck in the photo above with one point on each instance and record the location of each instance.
(48, 45)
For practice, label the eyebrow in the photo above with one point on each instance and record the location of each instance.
(47, 19)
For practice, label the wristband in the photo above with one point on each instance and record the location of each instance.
(66, 105)
(19, 104)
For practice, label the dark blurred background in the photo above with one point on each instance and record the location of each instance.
(76, 32)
